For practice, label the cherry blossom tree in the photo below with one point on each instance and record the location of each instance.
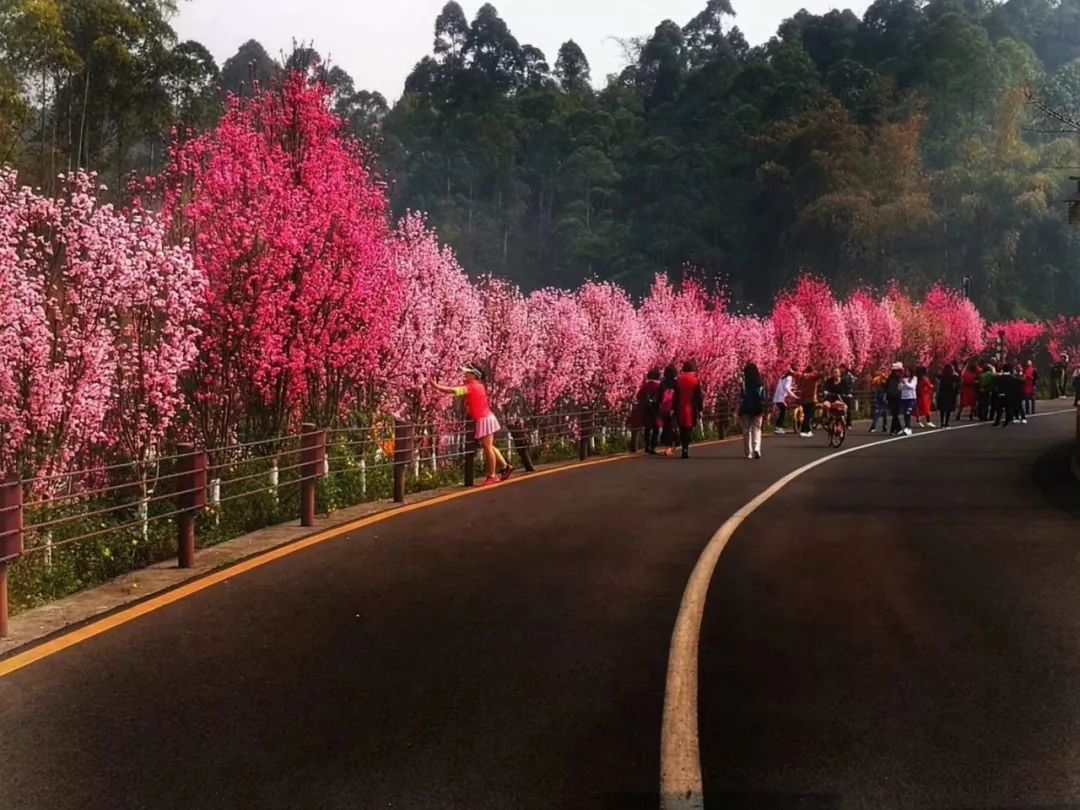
(511, 345)
(621, 344)
(289, 226)
(1023, 339)
(955, 326)
(823, 321)
(97, 323)
(439, 322)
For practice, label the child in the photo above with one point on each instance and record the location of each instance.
(476, 403)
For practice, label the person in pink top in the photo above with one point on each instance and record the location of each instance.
(476, 405)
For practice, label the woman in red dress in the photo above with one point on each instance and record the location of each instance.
(924, 398)
(969, 391)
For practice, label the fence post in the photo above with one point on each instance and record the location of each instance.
(403, 446)
(191, 485)
(585, 428)
(520, 437)
(312, 460)
(633, 440)
(11, 539)
(722, 422)
(1078, 435)
(470, 452)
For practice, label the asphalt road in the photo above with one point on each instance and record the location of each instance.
(898, 628)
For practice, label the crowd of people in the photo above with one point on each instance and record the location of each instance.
(902, 399)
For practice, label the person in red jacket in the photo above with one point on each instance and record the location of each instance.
(476, 404)
(1031, 382)
(689, 402)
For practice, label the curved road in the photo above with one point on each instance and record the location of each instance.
(898, 628)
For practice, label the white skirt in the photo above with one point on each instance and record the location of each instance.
(488, 426)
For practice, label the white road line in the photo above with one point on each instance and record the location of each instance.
(680, 753)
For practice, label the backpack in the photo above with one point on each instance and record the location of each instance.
(752, 402)
(652, 401)
(667, 404)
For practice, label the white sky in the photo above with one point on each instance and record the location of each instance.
(379, 41)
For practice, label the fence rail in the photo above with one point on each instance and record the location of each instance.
(119, 517)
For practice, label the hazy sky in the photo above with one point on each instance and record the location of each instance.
(379, 41)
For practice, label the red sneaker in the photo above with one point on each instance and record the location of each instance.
(490, 481)
(506, 473)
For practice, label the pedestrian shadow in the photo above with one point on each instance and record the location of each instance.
(1053, 475)
(770, 801)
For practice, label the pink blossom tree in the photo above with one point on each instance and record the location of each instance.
(97, 317)
(1023, 339)
(621, 344)
(566, 355)
(289, 226)
(954, 325)
(439, 323)
(510, 343)
(824, 321)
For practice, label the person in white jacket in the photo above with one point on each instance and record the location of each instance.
(909, 388)
(785, 393)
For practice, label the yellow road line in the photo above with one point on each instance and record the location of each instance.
(125, 615)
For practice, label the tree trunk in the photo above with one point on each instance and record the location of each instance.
(82, 121)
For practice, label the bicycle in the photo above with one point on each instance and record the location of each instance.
(834, 418)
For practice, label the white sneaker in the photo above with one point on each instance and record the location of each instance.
(931, 425)
(807, 435)
(907, 431)
(779, 431)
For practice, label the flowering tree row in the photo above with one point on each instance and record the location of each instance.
(270, 286)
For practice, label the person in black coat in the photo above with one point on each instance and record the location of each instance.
(1008, 396)
(892, 395)
(948, 390)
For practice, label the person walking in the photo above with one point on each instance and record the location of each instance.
(948, 385)
(807, 387)
(909, 392)
(924, 398)
(689, 402)
(668, 424)
(476, 405)
(783, 396)
(893, 395)
(1059, 378)
(1031, 384)
(752, 411)
(648, 400)
(969, 391)
(879, 403)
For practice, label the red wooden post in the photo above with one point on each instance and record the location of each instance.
(191, 484)
(470, 452)
(403, 448)
(313, 461)
(11, 540)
